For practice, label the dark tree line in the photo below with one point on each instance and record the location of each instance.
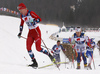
(88, 14)
(57, 11)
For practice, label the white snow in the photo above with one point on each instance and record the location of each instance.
(14, 56)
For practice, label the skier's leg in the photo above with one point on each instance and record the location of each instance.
(38, 41)
(87, 53)
(78, 60)
(84, 59)
(90, 59)
(78, 55)
(58, 58)
(55, 56)
(89, 56)
(29, 43)
(38, 46)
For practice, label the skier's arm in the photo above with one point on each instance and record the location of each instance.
(37, 18)
(21, 27)
(62, 48)
(52, 51)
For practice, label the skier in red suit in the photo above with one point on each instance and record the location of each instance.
(34, 34)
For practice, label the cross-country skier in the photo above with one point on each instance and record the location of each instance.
(34, 34)
(90, 47)
(80, 47)
(56, 50)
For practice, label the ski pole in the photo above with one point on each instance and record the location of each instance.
(23, 37)
(93, 60)
(26, 38)
(65, 58)
(45, 47)
(65, 61)
(72, 60)
(73, 56)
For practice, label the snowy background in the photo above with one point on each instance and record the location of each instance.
(14, 56)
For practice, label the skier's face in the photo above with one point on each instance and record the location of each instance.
(23, 11)
(78, 34)
(58, 43)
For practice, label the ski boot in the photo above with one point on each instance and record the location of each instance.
(78, 66)
(34, 64)
(89, 66)
(85, 66)
(52, 58)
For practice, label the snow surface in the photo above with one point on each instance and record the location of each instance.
(14, 56)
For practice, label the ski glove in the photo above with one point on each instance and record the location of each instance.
(19, 35)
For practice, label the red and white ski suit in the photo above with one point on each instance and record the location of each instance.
(34, 33)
